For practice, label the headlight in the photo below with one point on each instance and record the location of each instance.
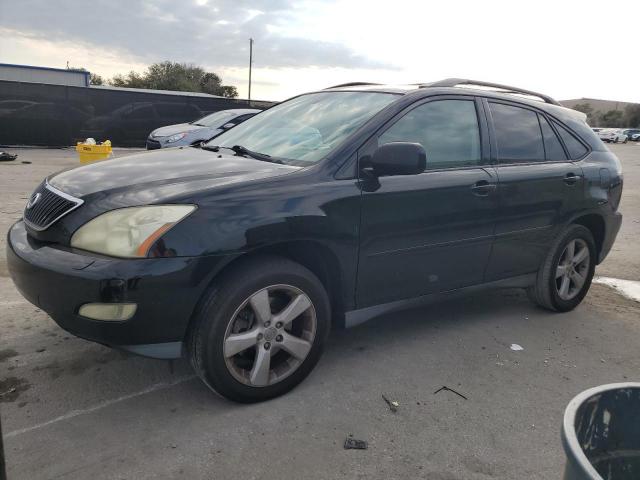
(176, 137)
(128, 232)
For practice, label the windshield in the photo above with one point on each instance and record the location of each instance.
(306, 128)
(216, 119)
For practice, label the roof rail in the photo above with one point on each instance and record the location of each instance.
(454, 82)
(351, 84)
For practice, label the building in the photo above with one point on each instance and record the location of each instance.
(52, 76)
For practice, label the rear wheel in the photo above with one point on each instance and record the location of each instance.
(260, 330)
(565, 276)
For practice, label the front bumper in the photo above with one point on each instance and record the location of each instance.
(153, 144)
(59, 281)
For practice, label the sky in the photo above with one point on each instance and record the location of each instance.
(562, 48)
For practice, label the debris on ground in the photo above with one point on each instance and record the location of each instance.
(393, 405)
(354, 444)
(7, 157)
(11, 390)
(516, 348)
(447, 389)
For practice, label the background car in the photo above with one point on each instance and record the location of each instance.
(199, 130)
(612, 135)
(632, 134)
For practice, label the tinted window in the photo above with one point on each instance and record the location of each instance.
(575, 148)
(517, 133)
(552, 146)
(447, 129)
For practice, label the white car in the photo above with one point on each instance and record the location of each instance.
(612, 135)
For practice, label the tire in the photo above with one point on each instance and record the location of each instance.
(229, 303)
(548, 289)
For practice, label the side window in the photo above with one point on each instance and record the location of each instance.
(447, 129)
(518, 134)
(575, 148)
(552, 146)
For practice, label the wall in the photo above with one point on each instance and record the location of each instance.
(57, 115)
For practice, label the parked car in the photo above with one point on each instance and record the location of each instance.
(199, 130)
(325, 210)
(612, 135)
(632, 134)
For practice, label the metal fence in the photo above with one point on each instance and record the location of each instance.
(58, 115)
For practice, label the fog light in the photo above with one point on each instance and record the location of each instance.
(108, 311)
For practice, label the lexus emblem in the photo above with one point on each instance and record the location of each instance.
(35, 198)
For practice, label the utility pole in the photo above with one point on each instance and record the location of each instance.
(250, 63)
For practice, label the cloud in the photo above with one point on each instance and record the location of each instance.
(212, 33)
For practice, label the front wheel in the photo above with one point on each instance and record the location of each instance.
(260, 330)
(565, 276)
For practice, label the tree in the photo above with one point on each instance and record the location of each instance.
(613, 118)
(178, 77)
(130, 80)
(632, 116)
(95, 79)
(592, 115)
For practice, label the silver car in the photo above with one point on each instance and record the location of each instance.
(184, 134)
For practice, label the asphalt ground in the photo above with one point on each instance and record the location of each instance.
(75, 410)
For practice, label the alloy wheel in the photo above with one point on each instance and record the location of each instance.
(270, 335)
(573, 269)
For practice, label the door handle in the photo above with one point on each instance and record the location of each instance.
(571, 178)
(482, 188)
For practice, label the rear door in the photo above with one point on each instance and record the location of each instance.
(430, 232)
(540, 187)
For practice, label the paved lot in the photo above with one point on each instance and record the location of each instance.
(78, 410)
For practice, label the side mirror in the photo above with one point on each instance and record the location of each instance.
(399, 158)
(227, 126)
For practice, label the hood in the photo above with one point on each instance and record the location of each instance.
(178, 128)
(164, 173)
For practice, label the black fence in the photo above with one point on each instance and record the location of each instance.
(58, 115)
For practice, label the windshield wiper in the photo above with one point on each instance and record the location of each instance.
(244, 152)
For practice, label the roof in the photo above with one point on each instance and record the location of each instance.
(34, 67)
(454, 85)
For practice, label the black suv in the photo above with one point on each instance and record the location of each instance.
(327, 209)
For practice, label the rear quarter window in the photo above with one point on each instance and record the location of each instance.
(552, 146)
(575, 147)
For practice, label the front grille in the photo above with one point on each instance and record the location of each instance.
(47, 205)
